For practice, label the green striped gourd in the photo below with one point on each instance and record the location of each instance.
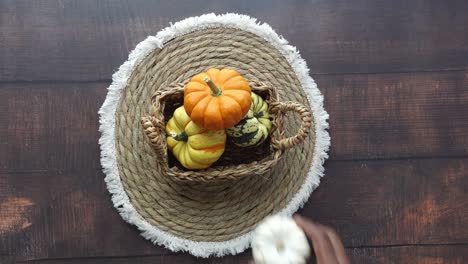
(254, 128)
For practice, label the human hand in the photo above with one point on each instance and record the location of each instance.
(327, 244)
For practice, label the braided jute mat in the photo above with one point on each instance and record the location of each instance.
(206, 219)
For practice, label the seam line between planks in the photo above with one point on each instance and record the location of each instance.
(312, 74)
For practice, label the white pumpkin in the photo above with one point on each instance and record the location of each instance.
(278, 240)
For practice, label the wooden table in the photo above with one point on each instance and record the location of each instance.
(395, 79)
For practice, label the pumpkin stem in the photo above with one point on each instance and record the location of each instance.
(181, 137)
(258, 114)
(215, 91)
(279, 246)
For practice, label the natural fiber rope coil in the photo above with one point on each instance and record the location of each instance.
(198, 211)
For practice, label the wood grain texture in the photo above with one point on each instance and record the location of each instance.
(371, 203)
(394, 75)
(411, 254)
(397, 115)
(243, 258)
(55, 127)
(457, 254)
(49, 127)
(396, 202)
(86, 40)
(64, 214)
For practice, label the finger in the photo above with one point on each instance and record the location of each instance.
(321, 243)
(337, 246)
(324, 250)
(310, 228)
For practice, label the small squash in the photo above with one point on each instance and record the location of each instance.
(255, 127)
(195, 148)
(278, 239)
(217, 99)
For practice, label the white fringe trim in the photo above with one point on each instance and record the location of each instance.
(107, 125)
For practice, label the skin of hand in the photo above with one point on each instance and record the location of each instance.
(326, 243)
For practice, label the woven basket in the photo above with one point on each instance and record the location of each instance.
(236, 162)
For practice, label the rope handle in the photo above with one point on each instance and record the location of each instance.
(155, 131)
(280, 109)
(153, 125)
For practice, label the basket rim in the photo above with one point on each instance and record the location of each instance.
(217, 173)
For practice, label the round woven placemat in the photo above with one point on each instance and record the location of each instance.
(207, 218)
(206, 212)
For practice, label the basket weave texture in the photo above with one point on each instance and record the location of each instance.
(237, 162)
(200, 210)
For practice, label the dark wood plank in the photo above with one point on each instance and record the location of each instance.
(63, 214)
(88, 40)
(55, 127)
(50, 126)
(243, 258)
(397, 115)
(371, 203)
(411, 254)
(394, 202)
(457, 254)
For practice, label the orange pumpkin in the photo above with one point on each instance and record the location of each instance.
(217, 99)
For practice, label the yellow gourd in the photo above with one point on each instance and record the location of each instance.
(195, 148)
